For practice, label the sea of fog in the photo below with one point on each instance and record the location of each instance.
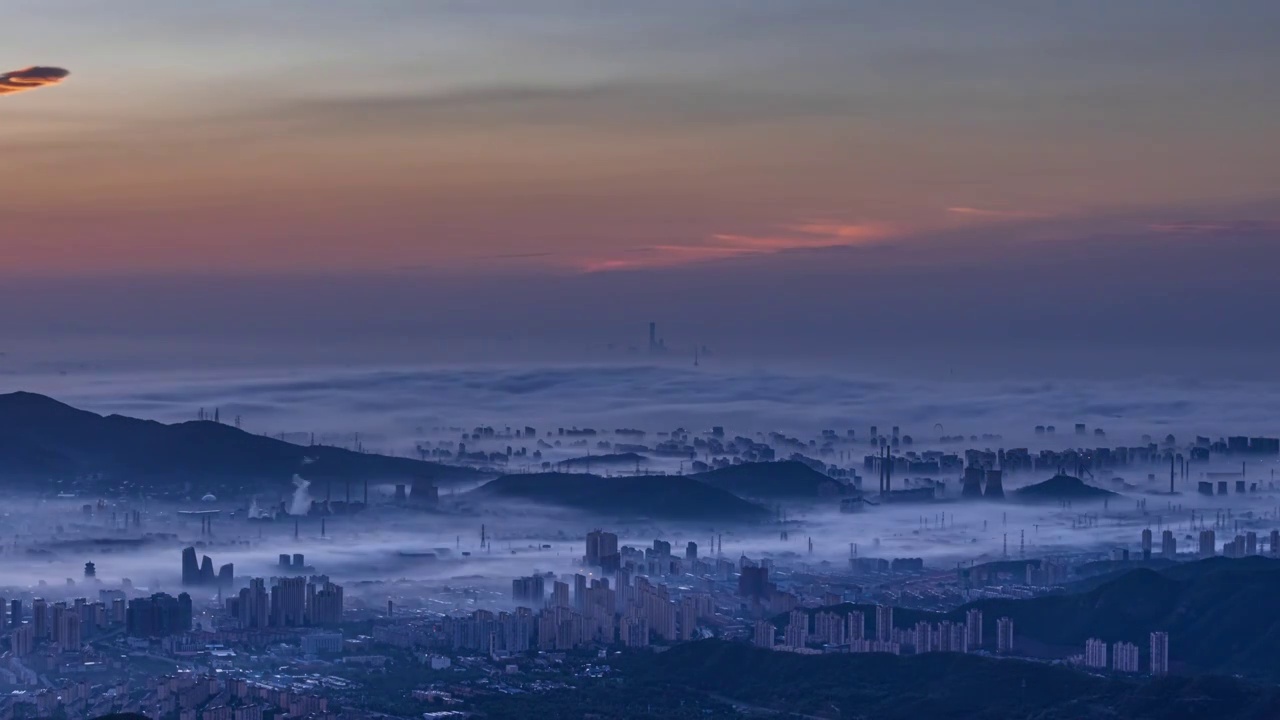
(390, 407)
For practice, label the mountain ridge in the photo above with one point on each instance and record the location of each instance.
(42, 438)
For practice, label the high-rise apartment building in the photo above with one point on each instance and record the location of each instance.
(973, 628)
(764, 634)
(1124, 657)
(797, 633)
(289, 602)
(1095, 653)
(688, 618)
(1208, 544)
(855, 627)
(560, 594)
(884, 623)
(1004, 635)
(40, 618)
(1159, 653)
(324, 603)
(600, 545)
(830, 628)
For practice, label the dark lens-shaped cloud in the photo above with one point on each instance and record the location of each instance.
(30, 79)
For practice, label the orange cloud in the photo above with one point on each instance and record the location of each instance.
(723, 245)
(30, 79)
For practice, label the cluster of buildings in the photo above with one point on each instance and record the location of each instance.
(598, 611)
(62, 626)
(846, 632)
(1125, 656)
(193, 696)
(289, 602)
(1242, 545)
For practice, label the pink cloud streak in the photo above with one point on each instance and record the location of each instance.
(804, 236)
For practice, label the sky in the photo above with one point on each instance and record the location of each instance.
(814, 179)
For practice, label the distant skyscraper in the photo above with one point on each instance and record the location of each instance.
(1159, 653)
(1095, 653)
(1208, 544)
(324, 603)
(1146, 543)
(40, 618)
(560, 594)
(1124, 657)
(856, 629)
(600, 545)
(973, 628)
(289, 602)
(68, 632)
(1004, 635)
(797, 633)
(1168, 545)
(753, 582)
(190, 567)
(764, 634)
(884, 623)
(531, 590)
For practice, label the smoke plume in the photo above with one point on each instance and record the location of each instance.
(301, 503)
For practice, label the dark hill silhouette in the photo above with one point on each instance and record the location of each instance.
(785, 479)
(1062, 487)
(41, 438)
(943, 686)
(672, 497)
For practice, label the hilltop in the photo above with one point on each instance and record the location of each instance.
(785, 479)
(1062, 487)
(43, 439)
(625, 460)
(669, 497)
